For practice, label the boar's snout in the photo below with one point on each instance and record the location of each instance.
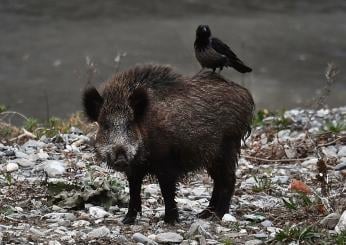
(118, 157)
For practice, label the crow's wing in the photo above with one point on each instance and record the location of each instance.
(233, 60)
(222, 48)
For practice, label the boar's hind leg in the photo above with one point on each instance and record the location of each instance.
(135, 178)
(210, 210)
(225, 177)
(167, 184)
(223, 174)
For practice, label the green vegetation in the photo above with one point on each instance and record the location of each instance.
(340, 239)
(52, 127)
(2, 108)
(278, 121)
(291, 234)
(335, 127)
(263, 184)
(227, 241)
(31, 124)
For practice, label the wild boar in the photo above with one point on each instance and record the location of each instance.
(155, 121)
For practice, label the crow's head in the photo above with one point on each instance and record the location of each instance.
(203, 31)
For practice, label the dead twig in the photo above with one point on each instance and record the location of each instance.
(275, 160)
(25, 133)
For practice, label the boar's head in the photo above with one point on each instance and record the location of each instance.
(119, 113)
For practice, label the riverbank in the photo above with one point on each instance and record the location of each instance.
(290, 187)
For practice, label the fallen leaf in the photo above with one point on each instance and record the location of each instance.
(300, 186)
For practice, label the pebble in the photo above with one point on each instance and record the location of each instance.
(254, 242)
(341, 225)
(57, 216)
(25, 163)
(340, 166)
(36, 232)
(342, 151)
(98, 213)
(309, 163)
(266, 223)
(102, 231)
(54, 168)
(169, 237)
(329, 151)
(229, 218)
(80, 223)
(11, 167)
(20, 154)
(254, 217)
(280, 179)
(54, 242)
(138, 237)
(330, 220)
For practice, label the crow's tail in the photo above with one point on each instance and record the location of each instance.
(240, 66)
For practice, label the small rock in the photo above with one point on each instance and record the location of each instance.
(266, 223)
(169, 237)
(248, 183)
(9, 153)
(329, 151)
(340, 166)
(57, 216)
(342, 151)
(25, 163)
(309, 163)
(341, 226)
(42, 155)
(229, 218)
(280, 179)
(151, 190)
(11, 167)
(102, 231)
(36, 232)
(18, 209)
(138, 237)
(254, 217)
(254, 242)
(290, 151)
(55, 242)
(284, 134)
(20, 154)
(260, 235)
(74, 130)
(98, 213)
(33, 144)
(330, 220)
(80, 223)
(54, 168)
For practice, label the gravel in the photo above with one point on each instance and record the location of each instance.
(41, 179)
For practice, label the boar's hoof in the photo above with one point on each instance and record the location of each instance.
(172, 217)
(206, 214)
(129, 220)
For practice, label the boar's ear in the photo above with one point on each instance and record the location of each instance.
(139, 101)
(92, 103)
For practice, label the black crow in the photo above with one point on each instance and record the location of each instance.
(213, 53)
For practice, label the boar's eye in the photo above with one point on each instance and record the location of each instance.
(105, 125)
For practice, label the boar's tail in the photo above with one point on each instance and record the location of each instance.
(246, 135)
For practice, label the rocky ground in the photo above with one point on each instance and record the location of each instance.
(290, 190)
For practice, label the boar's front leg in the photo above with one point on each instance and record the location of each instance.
(167, 184)
(135, 177)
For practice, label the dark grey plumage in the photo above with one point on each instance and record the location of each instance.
(213, 53)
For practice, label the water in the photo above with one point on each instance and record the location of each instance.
(44, 45)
